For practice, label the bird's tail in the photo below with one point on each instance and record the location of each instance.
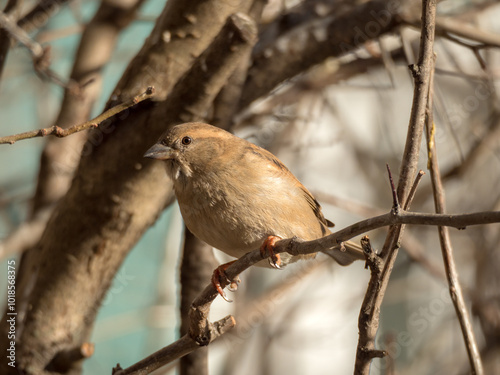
(346, 254)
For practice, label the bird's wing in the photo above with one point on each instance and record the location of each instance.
(315, 206)
(280, 168)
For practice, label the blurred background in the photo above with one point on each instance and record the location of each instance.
(335, 126)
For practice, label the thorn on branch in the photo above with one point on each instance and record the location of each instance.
(395, 201)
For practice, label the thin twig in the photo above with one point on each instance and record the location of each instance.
(39, 53)
(413, 189)
(446, 248)
(447, 27)
(368, 322)
(40, 14)
(94, 123)
(202, 332)
(177, 349)
(395, 201)
(21, 36)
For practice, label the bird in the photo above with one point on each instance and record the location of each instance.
(238, 197)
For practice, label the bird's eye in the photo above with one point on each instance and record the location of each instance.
(186, 141)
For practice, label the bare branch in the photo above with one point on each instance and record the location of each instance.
(303, 48)
(21, 36)
(12, 9)
(95, 49)
(40, 14)
(242, 33)
(40, 54)
(370, 310)
(178, 349)
(94, 123)
(202, 332)
(451, 28)
(123, 207)
(444, 238)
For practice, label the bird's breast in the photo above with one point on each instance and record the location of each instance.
(221, 219)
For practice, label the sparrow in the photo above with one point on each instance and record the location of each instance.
(238, 197)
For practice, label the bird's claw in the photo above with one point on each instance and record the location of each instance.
(275, 261)
(220, 274)
(267, 250)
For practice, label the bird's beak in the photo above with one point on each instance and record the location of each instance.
(160, 152)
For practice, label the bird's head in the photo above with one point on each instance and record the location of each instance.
(191, 148)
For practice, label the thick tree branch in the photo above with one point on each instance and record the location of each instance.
(102, 222)
(300, 49)
(206, 75)
(60, 157)
(226, 102)
(182, 32)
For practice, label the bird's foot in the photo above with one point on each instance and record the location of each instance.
(219, 278)
(267, 250)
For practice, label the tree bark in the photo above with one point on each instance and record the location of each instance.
(198, 262)
(115, 196)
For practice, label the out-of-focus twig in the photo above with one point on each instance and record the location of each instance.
(25, 236)
(21, 36)
(303, 48)
(451, 28)
(40, 14)
(12, 9)
(40, 54)
(446, 248)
